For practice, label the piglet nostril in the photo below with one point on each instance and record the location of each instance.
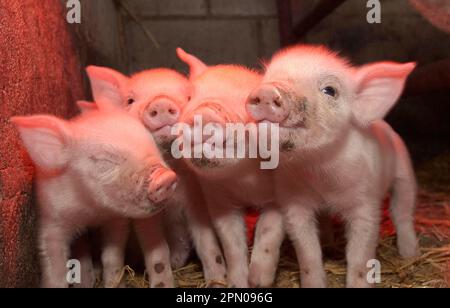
(154, 113)
(255, 100)
(172, 111)
(277, 102)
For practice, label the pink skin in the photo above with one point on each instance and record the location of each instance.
(337, 153)
(92, 171)
(265, 105)
(153, 245)
(157, 97)
(230, 185)
(86, 106)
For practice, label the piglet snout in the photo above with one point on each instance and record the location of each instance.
(266, 103)
(163, 183)
(161, 112)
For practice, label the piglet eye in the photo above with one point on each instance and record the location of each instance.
(130, 101)
(189, 98)
(329, 91)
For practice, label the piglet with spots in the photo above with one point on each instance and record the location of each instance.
(232, 184)
(337, 154)
(96, 170)
(157, 97)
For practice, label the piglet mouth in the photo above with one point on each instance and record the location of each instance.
(164, 131)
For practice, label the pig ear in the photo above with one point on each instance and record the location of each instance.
(85, 106)
(46, 139)
(196, 66)
(379, 86)
(107, 85)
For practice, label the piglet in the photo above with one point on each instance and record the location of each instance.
(157, 97)
(232, 184)
(95, 170)
(337, 153)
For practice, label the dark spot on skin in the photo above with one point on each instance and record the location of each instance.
(255, 101)
(160, 285)
(306, 272)
(219, 260)
(159, 268)
(287, 146)
(266, 250)
(361, 275)
(277, 102)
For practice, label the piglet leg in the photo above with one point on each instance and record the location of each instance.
(207, 246)
(54, 250)
(230, 228)
(404, 201)
(266, 250)
(115, 236)
(302, 229)
(151, 237)
(363, 222)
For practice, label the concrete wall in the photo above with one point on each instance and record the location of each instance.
(217, 31)
(99, 36)
(40, 73)
(246, 31)
(402, 35)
